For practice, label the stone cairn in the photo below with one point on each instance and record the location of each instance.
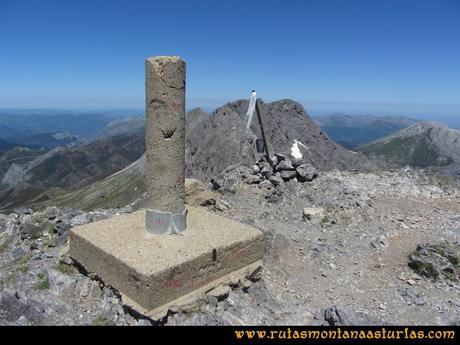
(282, 169)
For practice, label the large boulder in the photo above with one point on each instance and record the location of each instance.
(306, 172)
(440, 261)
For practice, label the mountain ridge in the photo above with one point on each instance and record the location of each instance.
(352, 131)
(423, 144)
(284, 120)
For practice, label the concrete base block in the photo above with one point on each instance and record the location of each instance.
(155, 273)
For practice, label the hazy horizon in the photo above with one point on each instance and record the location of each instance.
(314, 109)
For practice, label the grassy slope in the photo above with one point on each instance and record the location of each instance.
(117, 190)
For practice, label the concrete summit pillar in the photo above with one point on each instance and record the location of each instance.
(165, 144)
(153, 273)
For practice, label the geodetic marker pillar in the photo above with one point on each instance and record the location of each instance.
(154, 273)
(165, 144)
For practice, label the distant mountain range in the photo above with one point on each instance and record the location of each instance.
(20, 156)
(353, 130)
(38, 141)
(81, 177)
(118, 189)
(80, 165)
(421, 145)
(49, 129)
(79, 125)
(120, 127)
(26, 134)
(39, 179)
(107, 168)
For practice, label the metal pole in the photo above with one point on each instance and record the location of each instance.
(267, 153)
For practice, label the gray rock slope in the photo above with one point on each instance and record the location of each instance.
(194, 117)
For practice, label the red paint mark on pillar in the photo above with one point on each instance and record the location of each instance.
(177, 106)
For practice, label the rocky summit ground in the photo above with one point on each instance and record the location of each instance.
(341, 248)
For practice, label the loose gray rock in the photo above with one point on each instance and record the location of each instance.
(251, 179)
(62, 239)
(280, 157)
(275, 196)
(343, 316)
(313, 213)
(144, 322)
(410, 295)
(306, 172)
(12, 306)
(29, 230)
(23, 210)
(18, 252)
(265, 168)
(66, 260)
(221, 292)
(266, 184)
(379, 242)
(228, 181)
(287, 174)
(51, 212)
(276, 180)
(221, 205)
(4, 221)
(62, 227)
(284, 165)
(34, 312)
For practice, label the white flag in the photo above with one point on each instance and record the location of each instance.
(251, 108)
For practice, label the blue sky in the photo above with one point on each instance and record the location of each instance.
(382, 57)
